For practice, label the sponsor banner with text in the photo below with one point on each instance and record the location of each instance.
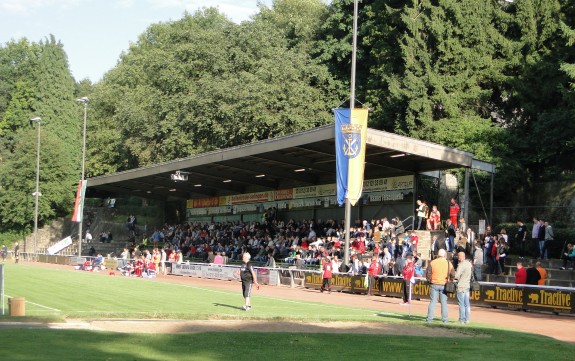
(551, 299)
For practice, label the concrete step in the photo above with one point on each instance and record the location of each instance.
(511, 279)
(555, 274)
(550, 263)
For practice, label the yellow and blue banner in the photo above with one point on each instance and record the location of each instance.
(350, 137)
(79, 204)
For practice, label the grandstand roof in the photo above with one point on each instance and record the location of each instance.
(296, 160)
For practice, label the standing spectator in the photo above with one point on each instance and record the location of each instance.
(470, 235)
(548, 239)
(462, 226)
(16, 252)
(132, 223)
(463, 278)
(502, 250)
(420, 213)
(4, 253)
(450, 233)
(453, 212)
(533, 276)
(163, 259)
(541, 239)
(385, 260)
(521, 274)
(535, 236)
(438, 273)
(123, 260)
(543, 272)
(327, 274)
(521, 238)
(437, 245)
(248, 277)
(408, 274)
(372, 272)
(478, 260)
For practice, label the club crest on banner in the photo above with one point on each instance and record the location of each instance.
(351, 134)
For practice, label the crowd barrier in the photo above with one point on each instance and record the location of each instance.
(498, 295)
(266, 276)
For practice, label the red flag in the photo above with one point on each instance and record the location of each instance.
(79, 204)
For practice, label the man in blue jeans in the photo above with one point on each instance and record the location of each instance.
(438, 273)
(463, 278)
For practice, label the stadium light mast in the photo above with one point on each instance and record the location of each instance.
(347, 219)
(83, 100)
(36, 194)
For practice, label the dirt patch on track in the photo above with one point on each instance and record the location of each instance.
(198, 326)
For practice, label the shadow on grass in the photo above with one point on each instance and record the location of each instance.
(400, 317)
(86, 345)
(228, 306)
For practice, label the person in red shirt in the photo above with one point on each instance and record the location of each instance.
(327, 274)
(372, 272)
(453, 212)
(434, 220)
(414, 240)
(408, 274)
(139, 266)
(521, 274)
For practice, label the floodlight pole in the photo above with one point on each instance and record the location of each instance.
(351, 106)
(36, 120)
(83, 100)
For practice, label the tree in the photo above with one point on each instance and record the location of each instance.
(40, 85)
(203, 83)
(542, 103)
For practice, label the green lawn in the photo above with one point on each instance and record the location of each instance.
(56, 294)
(51, 292)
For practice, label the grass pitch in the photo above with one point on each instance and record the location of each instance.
(55, 294)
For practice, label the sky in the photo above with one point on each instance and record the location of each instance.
(95, 32)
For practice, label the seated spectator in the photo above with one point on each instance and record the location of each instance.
(521, 274)
(271, 260)
(98, 263)
(218, 259)
(179, 257)
(86, 266)
(139, 266)
(533, 275)
(127, 269)
(568, 257)
(150, 271)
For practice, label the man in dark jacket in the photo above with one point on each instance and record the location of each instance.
(533, 275)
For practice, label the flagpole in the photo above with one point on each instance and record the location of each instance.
(351, 106)
(409, 299)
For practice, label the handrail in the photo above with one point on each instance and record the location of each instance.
(410, 225)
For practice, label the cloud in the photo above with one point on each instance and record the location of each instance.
(25, 6)
(237, 10)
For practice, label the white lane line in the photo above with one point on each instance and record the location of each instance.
(37, 304)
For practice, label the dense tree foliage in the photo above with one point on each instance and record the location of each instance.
(36, 81)
(493, 77)
(203, 82)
